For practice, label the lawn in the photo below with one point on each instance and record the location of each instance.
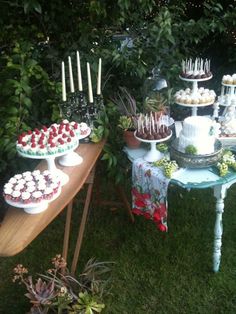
(153, 272)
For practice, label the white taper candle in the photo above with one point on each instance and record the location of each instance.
(72, 89)
(99, 77)
(80, 84)
(63, 81)
(90, 90)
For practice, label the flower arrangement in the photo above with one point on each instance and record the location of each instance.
(227, 162)
(57, 291)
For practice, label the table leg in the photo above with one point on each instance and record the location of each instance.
(83, 221)
(67, 230)
(220, 194)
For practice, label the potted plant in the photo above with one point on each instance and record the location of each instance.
(126, 123)
(127, 107)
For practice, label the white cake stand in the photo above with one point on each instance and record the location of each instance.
(34, 208)
(194, 92)
(73, 158)
(153, 154)
(50, 159)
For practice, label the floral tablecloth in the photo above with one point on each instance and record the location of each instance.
(149, 192)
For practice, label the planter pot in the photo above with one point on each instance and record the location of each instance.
(130, 140)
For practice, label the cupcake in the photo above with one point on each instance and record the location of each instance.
(37, 196)
(48, 193)
(26, 197)
(16, 196)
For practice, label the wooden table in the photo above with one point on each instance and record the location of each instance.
(19, 229)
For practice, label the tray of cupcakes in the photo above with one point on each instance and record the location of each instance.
(56, 140)
(32, 190)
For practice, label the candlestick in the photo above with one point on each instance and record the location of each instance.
(90, 90)
(72, 89)
(80, 85)
(63, 81)
(99, 77)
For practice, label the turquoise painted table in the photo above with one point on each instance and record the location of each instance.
(201, 179)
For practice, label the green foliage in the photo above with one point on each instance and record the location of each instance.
(86, 304)
(131, 37)
(191, 149)
(125, 123)
(60, 291)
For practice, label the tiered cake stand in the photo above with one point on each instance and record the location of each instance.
(72, 158)
(194, 92)
(34, 208)
(50, 159)
(153, 154)
(225, 99)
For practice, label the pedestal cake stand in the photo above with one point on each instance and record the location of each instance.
(33, 208)
(72, 158)
(50, 159)
(153, 154)
(194, 92)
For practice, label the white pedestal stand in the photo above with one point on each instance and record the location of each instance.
(73, 158)
(194, 82)
(153, 154)
(225, 99)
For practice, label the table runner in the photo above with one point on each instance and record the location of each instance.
(149, 192)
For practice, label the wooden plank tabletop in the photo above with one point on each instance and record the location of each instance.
(18, 228)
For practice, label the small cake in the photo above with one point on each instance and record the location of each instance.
(197, 132)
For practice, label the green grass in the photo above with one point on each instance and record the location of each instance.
(153, 272)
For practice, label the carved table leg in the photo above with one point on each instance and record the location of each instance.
(219, 193)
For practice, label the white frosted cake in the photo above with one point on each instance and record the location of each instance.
(197, 132)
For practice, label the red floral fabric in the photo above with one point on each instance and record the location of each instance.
(149, 193)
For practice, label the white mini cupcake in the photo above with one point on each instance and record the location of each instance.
(18, 176)
(16, 196)
(31, 188)
(37, 196)
(26, 197)
(36, 172)
(18, 187)
(48, 193)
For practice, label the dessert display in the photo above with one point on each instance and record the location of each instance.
(57, 138)
(152, 126)
(202, 96)
(229, 79)
(32, 190)
(198, 133)
(197, 69)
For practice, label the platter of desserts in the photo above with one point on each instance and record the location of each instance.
(195, 70)
(153, 128)
(55, 140)
(229, 80)
(155, 140)
(32, 190)
(202, 97)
